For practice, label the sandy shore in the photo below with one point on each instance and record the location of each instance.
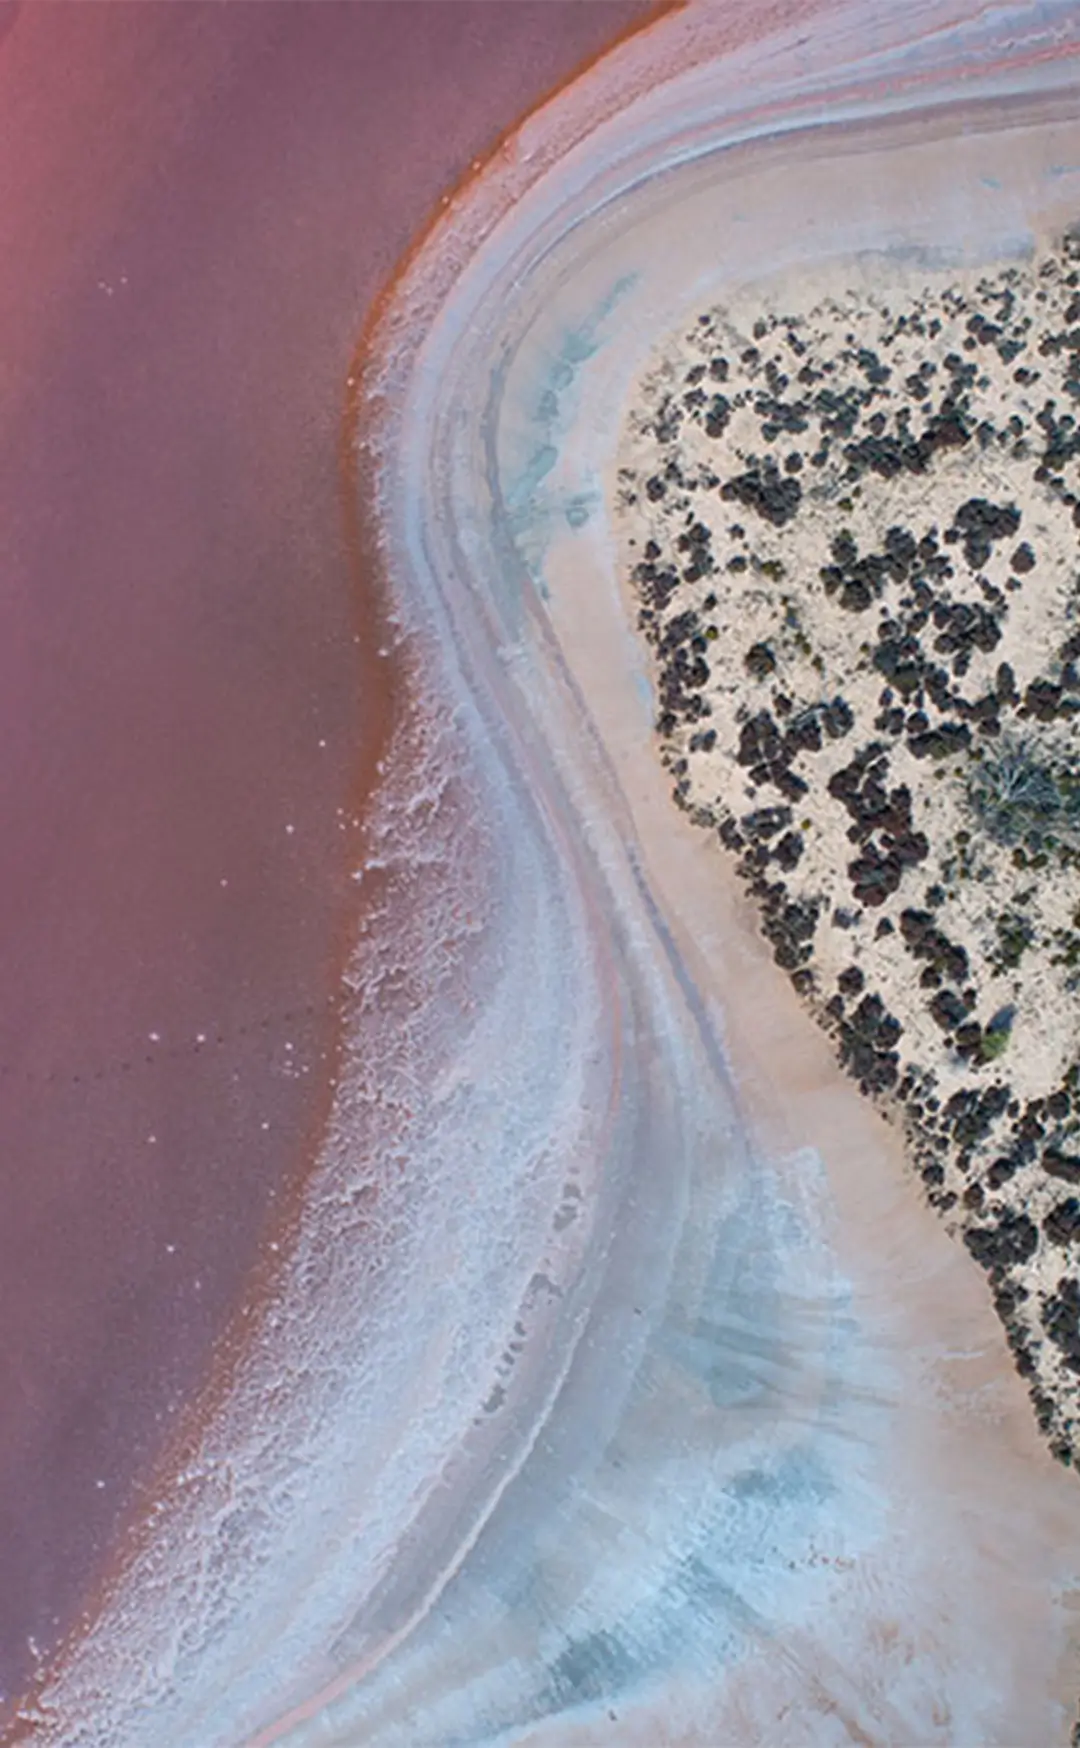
(847, 507)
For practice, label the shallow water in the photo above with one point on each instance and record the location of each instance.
(641, 1400)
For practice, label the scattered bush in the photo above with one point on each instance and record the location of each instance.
(1015, 935)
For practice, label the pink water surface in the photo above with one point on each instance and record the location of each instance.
(197, 205)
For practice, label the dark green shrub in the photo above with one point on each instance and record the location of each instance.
(1020, 796)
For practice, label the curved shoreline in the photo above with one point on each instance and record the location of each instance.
(939, 1355)
(193, 864)
(759, 1460)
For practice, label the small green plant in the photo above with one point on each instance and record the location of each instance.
(995, 1039)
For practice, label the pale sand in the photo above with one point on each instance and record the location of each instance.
(817, 648)
(934, 1329)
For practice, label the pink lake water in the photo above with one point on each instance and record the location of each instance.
(197, 206)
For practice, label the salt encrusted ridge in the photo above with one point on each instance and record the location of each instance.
(865, 499)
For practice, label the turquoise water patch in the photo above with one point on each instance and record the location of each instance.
(531, 512)
(537, 469)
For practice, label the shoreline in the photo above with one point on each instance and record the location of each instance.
(783, 1465)
(173, 1080)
